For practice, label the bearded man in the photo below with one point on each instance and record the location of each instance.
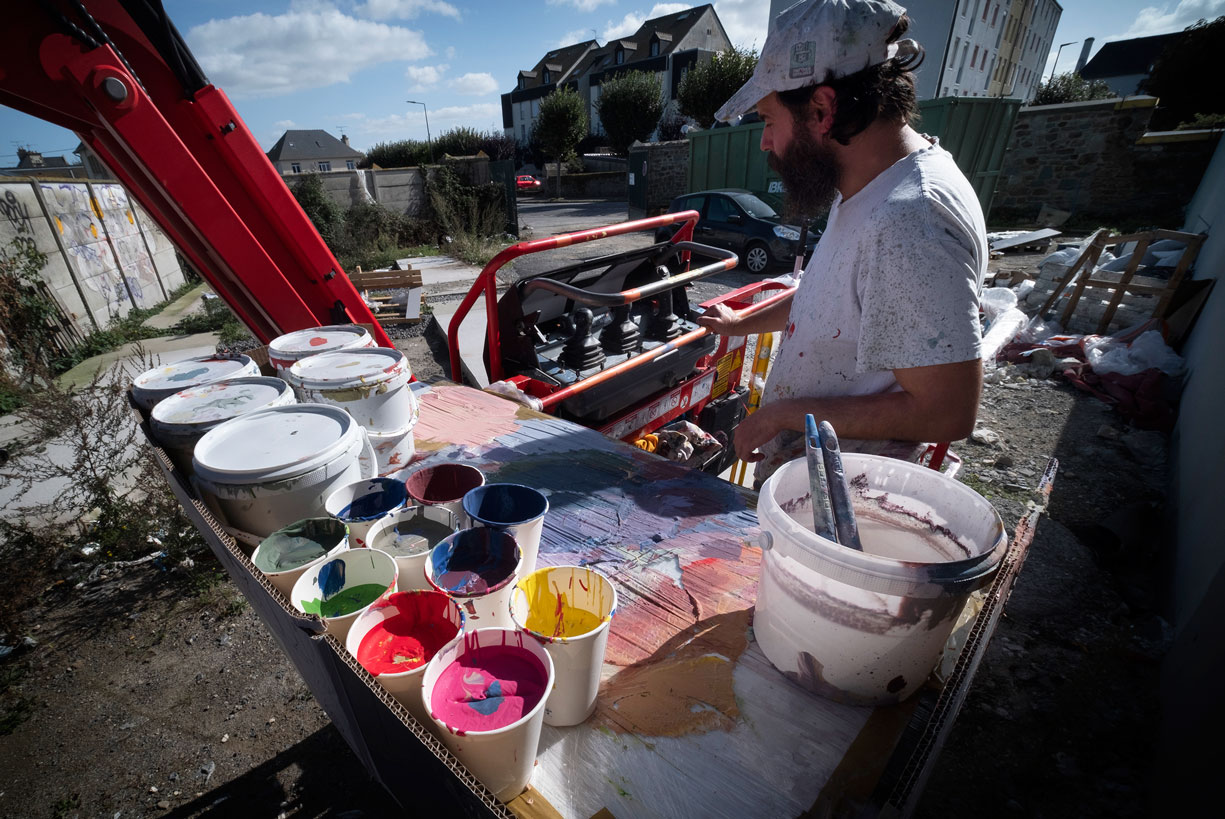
(881, 337)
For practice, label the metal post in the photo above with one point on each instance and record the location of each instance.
(1057, 53)
(428, 140)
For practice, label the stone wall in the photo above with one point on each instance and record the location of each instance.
(667, 173)
(1096, 160)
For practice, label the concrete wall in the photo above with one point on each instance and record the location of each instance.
(1193, 710)
(105, 256)
(603, 185)
(399, 189)
(1096, 160)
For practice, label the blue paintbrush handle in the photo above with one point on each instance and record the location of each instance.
(839, 491)
(822, 512)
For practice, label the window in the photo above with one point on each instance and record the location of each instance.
(295, 167)
(973, 16)
(522, 83)
(720, 208)
(984, 62)
(965, 49)
(548, 76)
(974, 57)
(987, 84)
(655, 48)
(964, 5)
(986, 6)
(619, 58)
(995, 15)
(350, 164)
(953, 53)
(325, 166)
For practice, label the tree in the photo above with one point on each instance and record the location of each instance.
(1182, 76)
(324, 213)
(1070, 87)
(561, 125)
(630, 106)
(708, 85)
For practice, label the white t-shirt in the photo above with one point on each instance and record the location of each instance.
(893, 283)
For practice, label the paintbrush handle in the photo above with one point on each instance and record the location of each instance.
(839, 491)
(822, 512)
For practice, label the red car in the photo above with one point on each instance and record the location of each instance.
(527, 182)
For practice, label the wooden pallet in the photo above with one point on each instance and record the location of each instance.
(1125, 282)
(371, 282)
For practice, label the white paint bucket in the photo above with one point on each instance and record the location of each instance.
(160, 383)
(363, 503)
(458, 681)
(269, 468)
(284, 350)
(569, 610)
(478, 568)
(181, 420)
(868, 627)
(408, 535)
(512, 508)
(289, 551)
(340, 588)
(444, 484)
(370, 383)
(396, 638)
(393, 451)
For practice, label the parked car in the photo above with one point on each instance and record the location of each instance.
(738, 220)
(526, 182)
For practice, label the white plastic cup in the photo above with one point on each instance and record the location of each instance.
(362, 504)
(340, 588)
(569, 610)
(512, 508)
(444, 484)
(289, 551)
(408, 535)
(502, 758)
(389, 634)
(478, 568)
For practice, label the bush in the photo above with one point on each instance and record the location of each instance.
(630, 106)
(410, 153)
(324, 213)
(708, 85)
(1202, 121)
(27, 313)
(671, 125)
(1070, 87)
(1181, 77)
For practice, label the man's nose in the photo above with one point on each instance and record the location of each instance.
(767, 140)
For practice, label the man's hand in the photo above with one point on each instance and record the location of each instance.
(721, 320)
(756, 429)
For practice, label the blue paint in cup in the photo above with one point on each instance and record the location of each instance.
(504, 505)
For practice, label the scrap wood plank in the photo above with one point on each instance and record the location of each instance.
(1033, 237)
(1090, 244)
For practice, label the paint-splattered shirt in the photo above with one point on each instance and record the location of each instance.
(893, 283)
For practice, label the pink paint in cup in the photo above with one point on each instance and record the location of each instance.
(486, 693)
(444, 484)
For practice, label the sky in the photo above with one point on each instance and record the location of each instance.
(348, 66)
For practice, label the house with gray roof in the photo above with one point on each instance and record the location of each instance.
(313, 152)
(1124, 64)
(667, 46)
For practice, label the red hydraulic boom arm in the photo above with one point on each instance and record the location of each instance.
(118, 74)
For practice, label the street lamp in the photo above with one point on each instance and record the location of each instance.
(1057, 53)
(428, 141)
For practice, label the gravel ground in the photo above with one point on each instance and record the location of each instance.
(147, 697)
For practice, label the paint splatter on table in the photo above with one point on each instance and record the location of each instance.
(691, 719)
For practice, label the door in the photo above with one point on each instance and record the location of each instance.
(636, 182)
(502, 173)
(724, 223)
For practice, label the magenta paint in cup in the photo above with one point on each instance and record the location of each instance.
(477, 568)
(486, 693)
(513, 508)
(444, 484)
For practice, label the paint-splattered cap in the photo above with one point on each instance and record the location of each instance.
(819, 39)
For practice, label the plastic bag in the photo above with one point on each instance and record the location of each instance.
(1148, 351)
(1003, 330)
(995, 301)
(510, 391)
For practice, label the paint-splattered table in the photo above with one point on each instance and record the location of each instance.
(692, 719)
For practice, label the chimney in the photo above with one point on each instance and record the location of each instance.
(1084, 54)
(345, 137)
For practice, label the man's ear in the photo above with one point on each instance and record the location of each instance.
(821, 108)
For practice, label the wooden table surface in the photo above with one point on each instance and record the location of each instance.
(692, 719)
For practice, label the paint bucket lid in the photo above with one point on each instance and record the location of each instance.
(275, 444)
(198, 409)
(159, 383)
(288, 348)
(350, 368)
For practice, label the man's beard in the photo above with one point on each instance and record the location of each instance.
(810, 175)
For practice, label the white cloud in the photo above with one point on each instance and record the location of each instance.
(582, 5)
(475, 84)
(261, 55)
(405, 9)
(746, 21)
(411, 124)
(450, 52)
(1162, 20)
(579, 35)
(285, 124)
(424, 77)
(630, 23)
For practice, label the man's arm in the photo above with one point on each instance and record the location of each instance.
(936, 403)
(724, 321)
